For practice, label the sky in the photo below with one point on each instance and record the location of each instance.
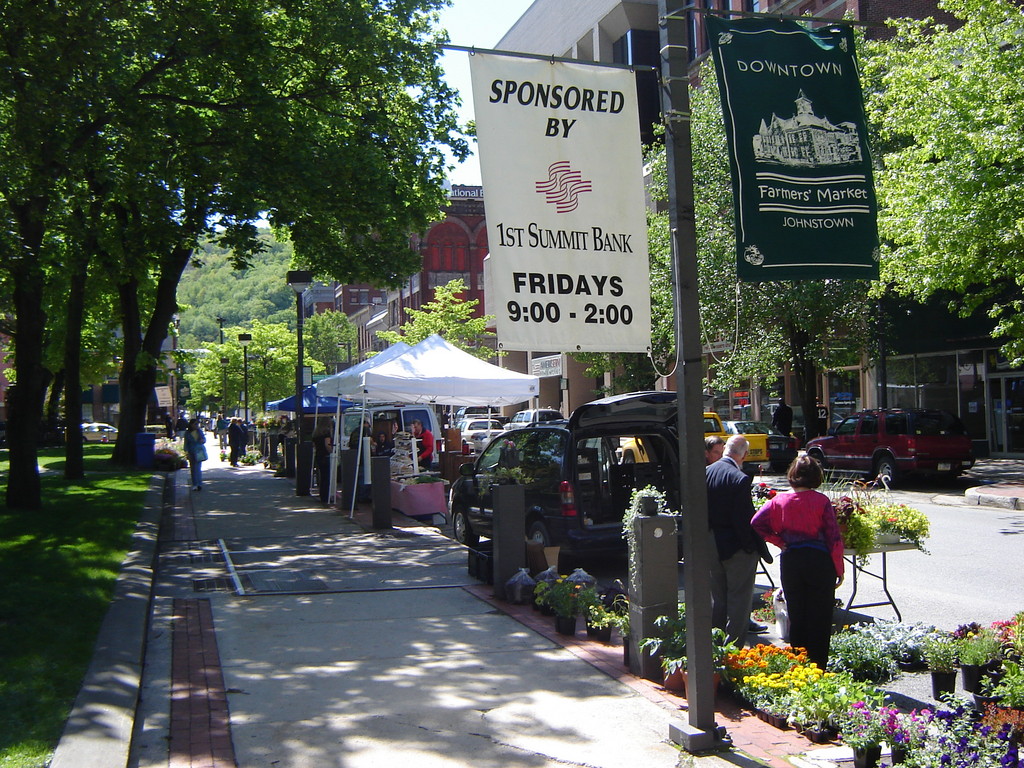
(479, 23)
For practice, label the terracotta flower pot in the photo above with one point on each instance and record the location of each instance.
(676, 681)
(716, 679)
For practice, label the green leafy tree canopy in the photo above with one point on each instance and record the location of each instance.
(450, 317)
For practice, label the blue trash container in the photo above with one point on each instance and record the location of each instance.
(145, 446)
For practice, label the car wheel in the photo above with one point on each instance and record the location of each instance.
(537, 532)
(461, 529)
(818, 456)
(886, 465)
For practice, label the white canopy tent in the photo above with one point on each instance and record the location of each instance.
(350, 380)
(434, 372)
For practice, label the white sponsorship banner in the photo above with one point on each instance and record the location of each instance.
(560, 160)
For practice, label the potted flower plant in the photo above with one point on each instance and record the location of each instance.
(601, 618)
(905, 731)
(901, 522)
(862, 728)
(858, 528)
(670, 645)
(563, 597)
(1008, 690)
(979, 652)
(940, 654)
(818, 706)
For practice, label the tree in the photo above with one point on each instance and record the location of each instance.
(758, 326)
(211, 287)
(947, 104)
(174, 124)
(330, 338)
(450, 317)
(272, 356)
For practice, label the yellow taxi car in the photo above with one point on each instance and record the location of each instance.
(633, 450)
(766, 445)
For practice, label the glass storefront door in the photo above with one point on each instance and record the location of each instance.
(1006, 406)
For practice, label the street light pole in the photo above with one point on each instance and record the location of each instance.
(299, 281)
(224, 384)
(245, 339)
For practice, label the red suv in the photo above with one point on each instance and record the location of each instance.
(896, 442)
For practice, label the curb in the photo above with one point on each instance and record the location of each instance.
(98, 731)
(1001, 495)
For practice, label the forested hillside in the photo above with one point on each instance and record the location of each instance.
(216, 289)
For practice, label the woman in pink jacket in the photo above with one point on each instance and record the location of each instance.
(803, 525)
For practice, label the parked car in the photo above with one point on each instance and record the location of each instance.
(635, 451)
(767, 445)
(895, 442)
(479, 432)
(98, 432)
(576, 483)
(534, 416)
(477, 412)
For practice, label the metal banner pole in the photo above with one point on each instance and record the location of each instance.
(701, 732)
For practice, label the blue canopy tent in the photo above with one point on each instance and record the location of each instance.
(311, 402)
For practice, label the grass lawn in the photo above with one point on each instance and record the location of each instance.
(57, 568)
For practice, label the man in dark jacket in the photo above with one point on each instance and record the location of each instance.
(238, 436)
(782, 420)
(730, 509)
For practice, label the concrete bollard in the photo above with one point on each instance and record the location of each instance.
(380, 491)
(347, 480)
(653, 586)
(509, 534)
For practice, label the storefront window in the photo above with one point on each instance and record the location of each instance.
(923, 382)
(844, 394)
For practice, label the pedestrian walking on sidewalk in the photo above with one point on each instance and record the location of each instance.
(195, 447)
(803, 525)
(237, 438)
(736, 548)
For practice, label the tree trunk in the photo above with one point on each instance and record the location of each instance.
(806, 376)
(25, 399)
(74, 467)
(143, 353)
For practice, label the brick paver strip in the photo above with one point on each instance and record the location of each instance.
(200, 729)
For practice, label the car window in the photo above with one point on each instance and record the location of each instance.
(897, 424)
(710, 425)
(937, 423)
(492, 455)
(869, 424)
(848, 427)
(593, 460)
(749, 428)
(540, 453)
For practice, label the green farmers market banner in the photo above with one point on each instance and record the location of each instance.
(802, 182)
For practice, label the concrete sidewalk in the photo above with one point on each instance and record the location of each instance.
(284, 633)
(349, 648)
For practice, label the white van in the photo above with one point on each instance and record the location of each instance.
(390, 415)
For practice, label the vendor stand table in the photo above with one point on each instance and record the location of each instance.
(883, 550)
(419, 500)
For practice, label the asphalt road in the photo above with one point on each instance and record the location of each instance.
(973, 571)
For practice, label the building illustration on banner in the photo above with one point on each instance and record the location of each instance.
(806, 140)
